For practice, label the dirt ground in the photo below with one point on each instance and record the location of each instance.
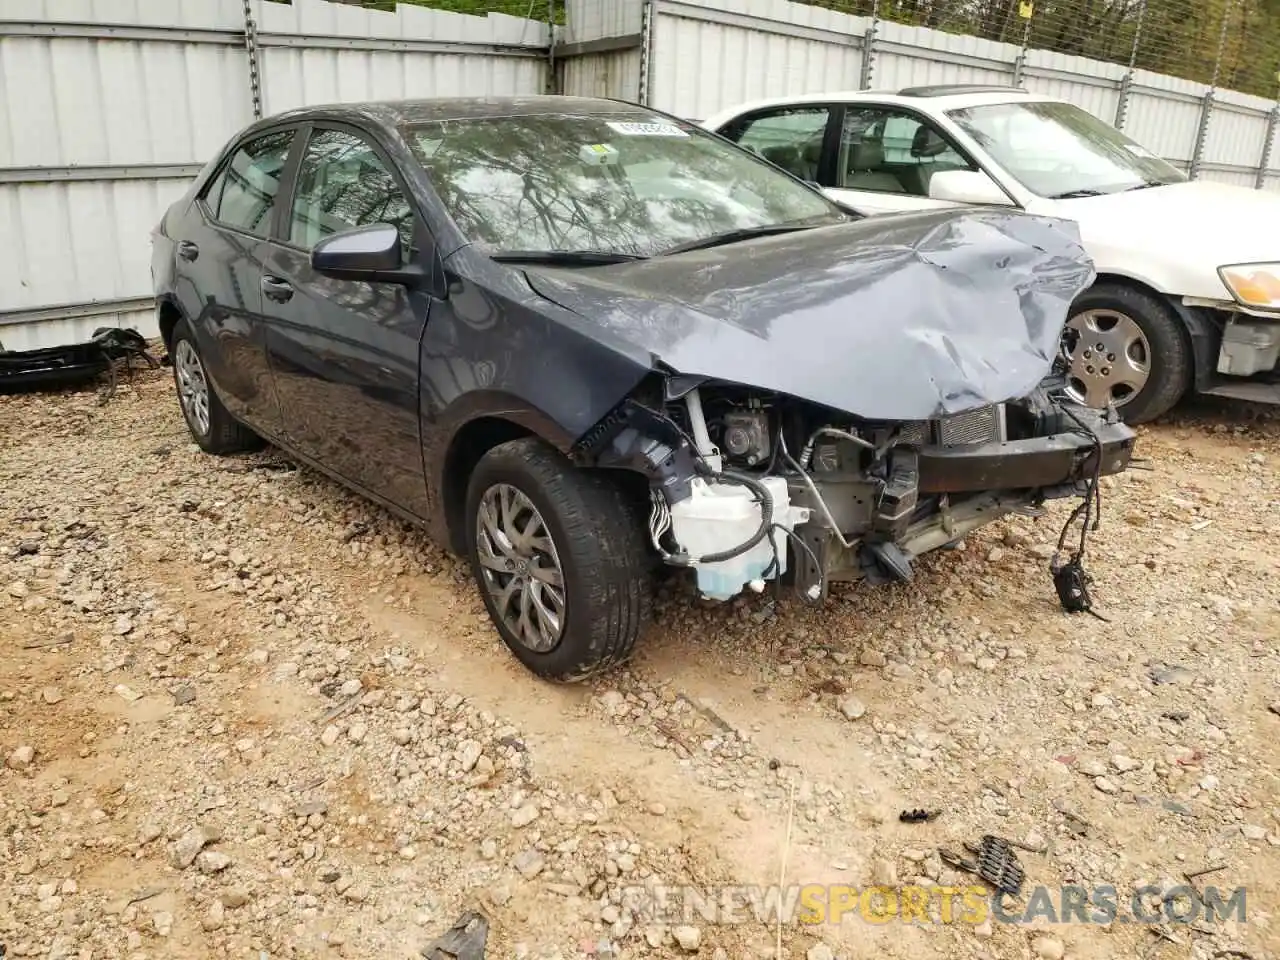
(245, 714)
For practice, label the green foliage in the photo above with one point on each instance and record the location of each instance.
(1177, 37)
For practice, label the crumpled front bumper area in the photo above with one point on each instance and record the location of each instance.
(934, 494)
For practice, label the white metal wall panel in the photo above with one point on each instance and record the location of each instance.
(299, 75)
(78, 241)
(913, 56)
(70, 102)
(615, 75)
(1088, 84)
(1237, 129)
(698, 63)
(117, 101)
(202, 15)
(46, 333)
(894, 70)
(320, 18)
(1164, 114)
(595, 19)
(1238, 178)
(296, 77)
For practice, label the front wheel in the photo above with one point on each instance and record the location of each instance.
(559, 556)
(1124, 346)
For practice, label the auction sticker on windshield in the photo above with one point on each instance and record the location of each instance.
(628, 129)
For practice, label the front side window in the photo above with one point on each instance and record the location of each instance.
(1058, 150)
(342, 183)
(632, 184)
(892, 151)
(791, 138)
(247, 186)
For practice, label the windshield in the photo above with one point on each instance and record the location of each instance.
(563, 183)
(1059, 150)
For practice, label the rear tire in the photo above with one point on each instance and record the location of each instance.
(211, 426)
(531, 512)
(1169, 359)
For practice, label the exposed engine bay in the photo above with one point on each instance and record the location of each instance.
(749, 486)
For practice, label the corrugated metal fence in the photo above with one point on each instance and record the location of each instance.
(108, 107)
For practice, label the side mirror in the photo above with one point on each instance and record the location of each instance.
(370, 253)
(967, 186)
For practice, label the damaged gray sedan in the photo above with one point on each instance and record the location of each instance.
(578, 339)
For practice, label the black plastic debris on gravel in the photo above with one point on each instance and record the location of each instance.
(74, 364)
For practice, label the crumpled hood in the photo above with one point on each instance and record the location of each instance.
(902, 317)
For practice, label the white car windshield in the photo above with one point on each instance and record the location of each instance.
(625, 185)
(1058, 150)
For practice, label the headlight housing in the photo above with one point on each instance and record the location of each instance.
(1254, 285)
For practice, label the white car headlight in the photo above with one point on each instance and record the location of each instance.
(1255, 285)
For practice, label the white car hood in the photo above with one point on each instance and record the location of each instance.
(1175, 237)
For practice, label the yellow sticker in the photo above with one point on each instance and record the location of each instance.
(1025, 9)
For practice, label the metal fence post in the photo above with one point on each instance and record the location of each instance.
(646, 52)
(869, 49)
(1202, 133)
(251, 52)
(1126, 83)
(1273, 124)
(1206, 108)
(553, 81)
(1026, 10)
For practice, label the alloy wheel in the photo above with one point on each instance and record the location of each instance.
(521, 567)
(1108, 358)
(193, 386)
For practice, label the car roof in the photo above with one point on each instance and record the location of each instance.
(933, 99)
(400, 112)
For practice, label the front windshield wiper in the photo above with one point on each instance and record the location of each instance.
(737, 236)
(1145, 184)
(565, 258)
(1083, 192)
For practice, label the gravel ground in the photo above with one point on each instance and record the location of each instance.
(245, 714)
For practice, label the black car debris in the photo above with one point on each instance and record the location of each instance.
(73, 364)
(578, 338)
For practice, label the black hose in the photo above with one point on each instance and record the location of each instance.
(766, 513)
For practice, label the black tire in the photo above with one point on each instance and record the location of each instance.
(598, 536)
(1172, 362)
(225, 434)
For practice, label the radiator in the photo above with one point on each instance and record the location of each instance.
(983, 425)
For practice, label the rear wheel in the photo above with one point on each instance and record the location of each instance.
(559, 556)
(211, 426)
(1124, 346)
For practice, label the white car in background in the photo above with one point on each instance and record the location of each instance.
(1188, 289)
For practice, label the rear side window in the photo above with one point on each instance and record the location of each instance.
(243, 194)
(790, 137)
